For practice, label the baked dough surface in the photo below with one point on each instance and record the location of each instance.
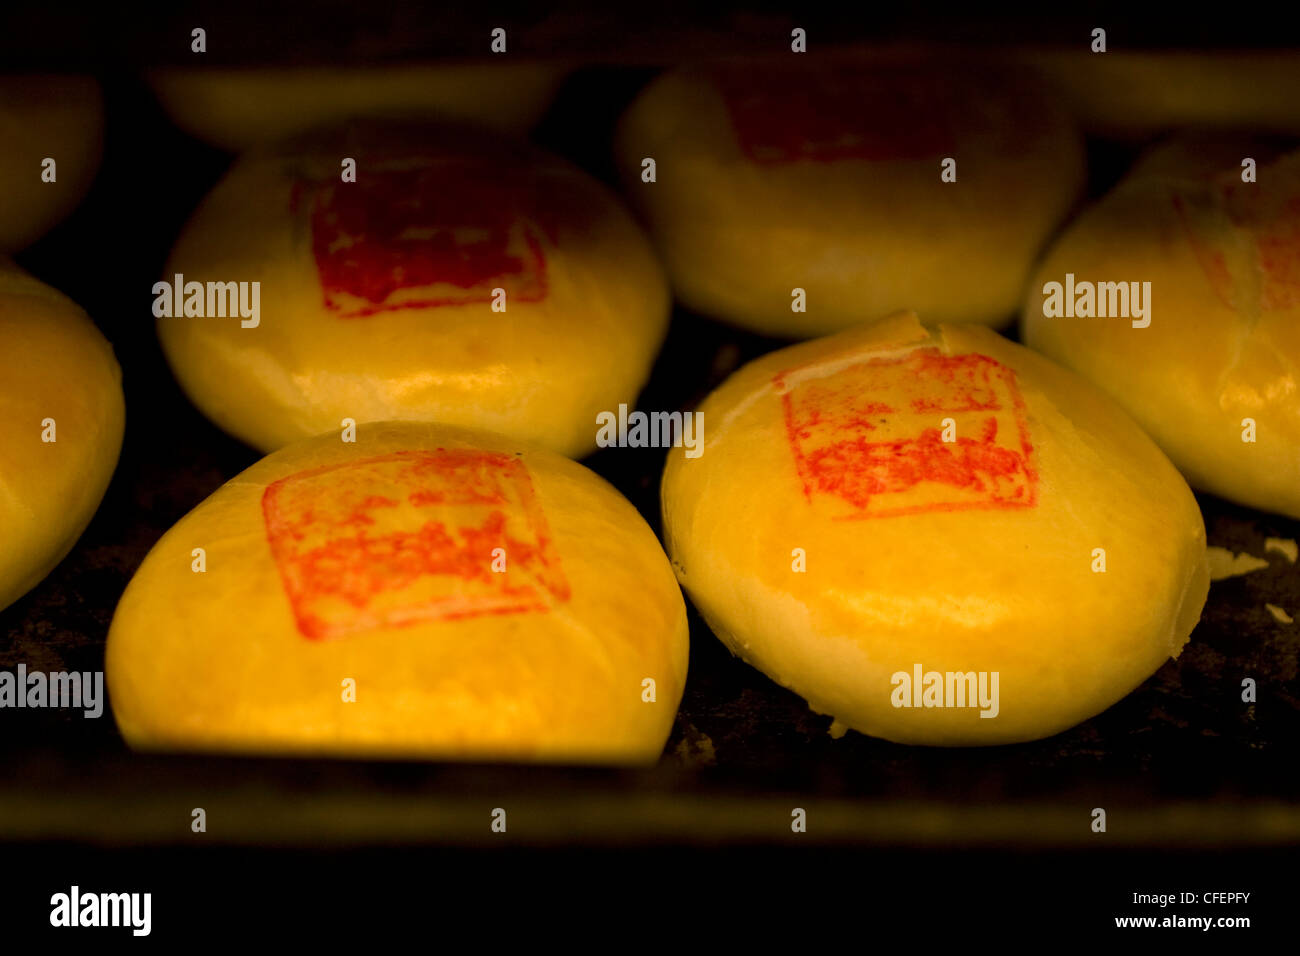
(238, 108)
(377, 297)
(46, 117)
(970, 556)
(1222, 349)
(54, 364)
(771, 177)
(377, 562)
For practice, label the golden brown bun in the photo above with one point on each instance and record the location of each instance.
(826, 178)
(236, 108)
(55, 117)
(1223, 344)
(377, 296)
(964, 557)
(374, 562)
(1134, 94)
(54, 364)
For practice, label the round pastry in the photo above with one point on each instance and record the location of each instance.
(460, 278)
(1211, 368)
(235, 108)
(475, 598)
(1125, 94)
(936, 536)
(771, 177)
(43, 118)
(61, 422)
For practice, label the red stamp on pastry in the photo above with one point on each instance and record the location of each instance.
(411, 536)
(785, 115)
(1246, 238)
(420, 233)
(868, 438)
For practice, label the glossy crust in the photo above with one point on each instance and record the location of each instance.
(1223, 345)
(53, 364)
(971, 573)
(586, 305)
(544, 661)
(771, 177)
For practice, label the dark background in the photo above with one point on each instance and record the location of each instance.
(81, 34)
(1200, 789)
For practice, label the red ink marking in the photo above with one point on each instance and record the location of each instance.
(1253, 263)
(417, 232)
(885, 459)
(785, 115)
(409, 537)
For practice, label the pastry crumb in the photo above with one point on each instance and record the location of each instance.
(1284, 546)
(1279, 615)
(1224, 564)
(697, 750)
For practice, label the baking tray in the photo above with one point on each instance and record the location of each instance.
(1181, 762)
